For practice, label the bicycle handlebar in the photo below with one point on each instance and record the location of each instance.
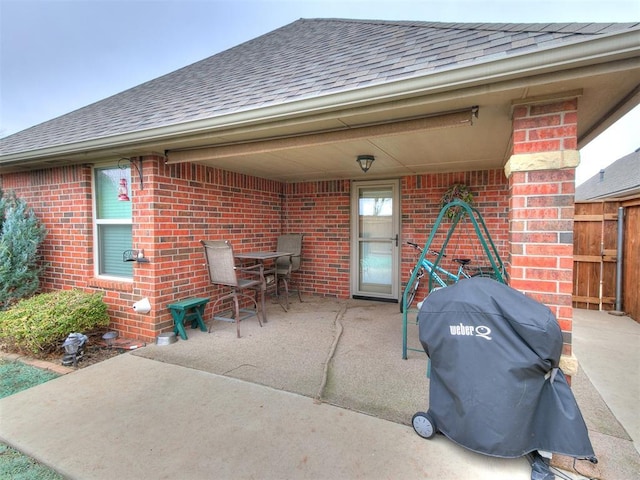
(417, 247)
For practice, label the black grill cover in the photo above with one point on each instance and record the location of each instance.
(494, 383)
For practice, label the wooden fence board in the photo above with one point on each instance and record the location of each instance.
(595, 255)
(631, 260)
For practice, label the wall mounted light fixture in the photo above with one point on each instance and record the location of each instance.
(365, 162)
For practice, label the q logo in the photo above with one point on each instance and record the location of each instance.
(484, 332)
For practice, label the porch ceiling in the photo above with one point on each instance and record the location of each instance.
(289, 151)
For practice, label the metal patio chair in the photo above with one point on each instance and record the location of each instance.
(223, 271)
(287, 265)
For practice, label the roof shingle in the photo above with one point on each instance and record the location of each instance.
(304, 59)
(620, 179)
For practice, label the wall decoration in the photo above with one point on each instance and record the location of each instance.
(456, 191)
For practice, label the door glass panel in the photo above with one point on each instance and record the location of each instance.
(375, 228)
(375, 214)
(376, 267)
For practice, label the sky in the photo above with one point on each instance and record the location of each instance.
(60, 55)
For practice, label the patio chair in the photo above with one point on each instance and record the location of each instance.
(223, 271)
(286, 266)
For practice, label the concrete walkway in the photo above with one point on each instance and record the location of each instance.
(320, 392)
(608, 349)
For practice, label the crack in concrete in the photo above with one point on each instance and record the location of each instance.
(337, 322)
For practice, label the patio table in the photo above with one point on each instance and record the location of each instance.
(263, 257)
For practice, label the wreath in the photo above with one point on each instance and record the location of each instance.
(457, 191)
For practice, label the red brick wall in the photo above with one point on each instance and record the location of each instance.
(182, 204)
(421, 196)
(542, 209)
(179, 206)
(542, 239)
(321, 211)
(61, 198)
(545, 127)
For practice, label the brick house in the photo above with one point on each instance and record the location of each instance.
(262, 139)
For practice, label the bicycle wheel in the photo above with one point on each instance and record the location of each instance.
(489, 273)
(411, 295)
(483, 274)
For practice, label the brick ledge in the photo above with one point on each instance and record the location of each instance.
(111, 285)
(527, 162)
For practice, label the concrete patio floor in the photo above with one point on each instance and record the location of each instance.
(320, 391)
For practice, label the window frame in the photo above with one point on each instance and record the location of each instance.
(97, 222)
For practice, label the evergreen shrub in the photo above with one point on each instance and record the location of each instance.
(21, 234)
(41, 323)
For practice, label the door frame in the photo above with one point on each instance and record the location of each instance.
(354, 279)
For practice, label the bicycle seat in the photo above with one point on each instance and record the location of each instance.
(462, 261)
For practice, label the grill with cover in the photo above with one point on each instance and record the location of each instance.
(495, 386)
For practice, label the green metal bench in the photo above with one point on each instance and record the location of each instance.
(191, 309)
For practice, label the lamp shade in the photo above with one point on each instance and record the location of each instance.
(365, 162)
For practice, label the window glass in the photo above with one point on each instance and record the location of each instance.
(114, 240)
(113, 222)
(107, 183)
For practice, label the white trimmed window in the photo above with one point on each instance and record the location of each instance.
(112, 223)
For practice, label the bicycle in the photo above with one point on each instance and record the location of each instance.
(428, 267)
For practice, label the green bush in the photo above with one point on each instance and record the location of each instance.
(21, 234)
(39, 324)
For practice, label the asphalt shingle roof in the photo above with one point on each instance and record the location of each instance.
(304, 59)
(620, 179)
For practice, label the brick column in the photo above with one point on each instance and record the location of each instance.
(541, 175)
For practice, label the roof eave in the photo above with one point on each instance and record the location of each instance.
(607, 48)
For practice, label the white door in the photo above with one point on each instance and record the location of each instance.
(374, 231)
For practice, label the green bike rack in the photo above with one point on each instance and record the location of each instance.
(488, 247)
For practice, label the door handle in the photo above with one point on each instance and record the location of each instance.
(396, 239)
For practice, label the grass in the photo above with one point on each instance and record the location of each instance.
(15, 377)
(17, 466)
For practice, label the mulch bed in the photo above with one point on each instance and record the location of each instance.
(96, 350)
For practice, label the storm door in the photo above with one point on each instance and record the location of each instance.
(374, 232)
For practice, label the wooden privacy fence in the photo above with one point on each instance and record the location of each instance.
(595, 251)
